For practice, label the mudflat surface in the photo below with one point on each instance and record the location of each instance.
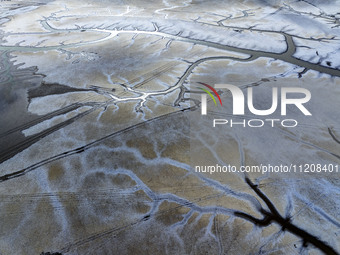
(100, 138)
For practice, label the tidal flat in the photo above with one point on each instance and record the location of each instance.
(101, 127)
